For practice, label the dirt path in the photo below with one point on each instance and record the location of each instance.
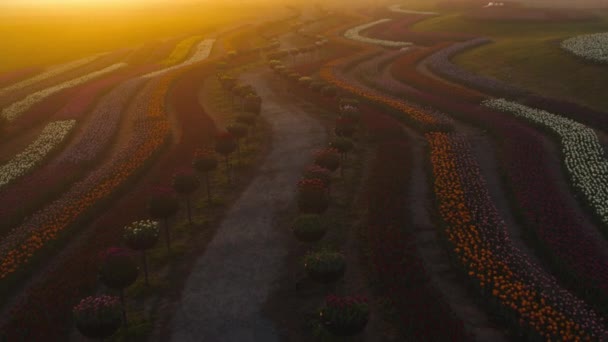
(224, 296)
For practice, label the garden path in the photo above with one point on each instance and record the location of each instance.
(224, 295)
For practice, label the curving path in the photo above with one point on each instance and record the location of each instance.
(224, 296)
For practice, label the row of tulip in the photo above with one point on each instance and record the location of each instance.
(423, 120)
(520, 291)
(392, 249)
(49, 139)
(203, 50)
(591, 47)
(149, 133)
(397, 9)
(51, 72)
(16, 109)
(354, 34)
(181, 51)
(12, 77)
(96, 135)
(535, 186)
(43, 311)
(583, 155)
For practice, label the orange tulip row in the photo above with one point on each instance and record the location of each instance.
(150, 132)
(519, 290)
(424, 120)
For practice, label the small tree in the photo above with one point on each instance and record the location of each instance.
(345, 127)
(162, 206)
(343, 145)
(313, 196)
(205, 162)
(239, 131)
(141, 236)
(98, 317)
(225, 144)
(328, 158)
(118, 271)
(186, 183)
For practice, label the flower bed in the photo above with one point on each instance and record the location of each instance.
(421, 119)
(49, 139)
(354, 34)
(14, 110)
(526, 297)
(440, 64)
(203, 50)
(12, 77)
(50, 73)
(181, 51)
(394, 257)
(40, 312)
(583, 155)
(397, 9)
(591, 47)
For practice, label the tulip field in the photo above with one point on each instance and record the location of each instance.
(443, 200)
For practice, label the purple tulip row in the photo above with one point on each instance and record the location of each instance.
(441, 64)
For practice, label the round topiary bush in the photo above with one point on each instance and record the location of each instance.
(308, 228)
(313, 196)
(318, 172)
(98, 317)
(325, 266)
(344, 315)
(117, 270)
(342, 144)
(345, 127)
(142, 235)
(246, 118)
(328, 158)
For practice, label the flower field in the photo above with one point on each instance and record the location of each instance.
(17, 108)
(584, 157)
(591, 47)
(354, 34)
(438, 204)
(49, 139)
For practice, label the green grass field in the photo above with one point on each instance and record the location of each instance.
(529, 55)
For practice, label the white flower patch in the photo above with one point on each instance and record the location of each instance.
(583, 154)
(398, 9)
(51, 136)
(52, 72)
(354, 34)
(592, 47)
(203, 50)
(17, 108)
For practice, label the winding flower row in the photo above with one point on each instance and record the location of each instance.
(149, 133)
(203, 50)
(51, 72)
(397, 9)
(181, 51)
(592, 47)
(354, 34)
(49, 139)
(530, 299)
(584, 157)
(422, 119)
(19, 107)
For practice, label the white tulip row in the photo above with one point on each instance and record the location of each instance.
(51, 136)
(14, 110)
(52, 72)
(583, 154)
(203, 50)
(593, 47)
(398, 9)
(354, 34)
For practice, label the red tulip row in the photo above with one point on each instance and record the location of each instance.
(44, 310)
